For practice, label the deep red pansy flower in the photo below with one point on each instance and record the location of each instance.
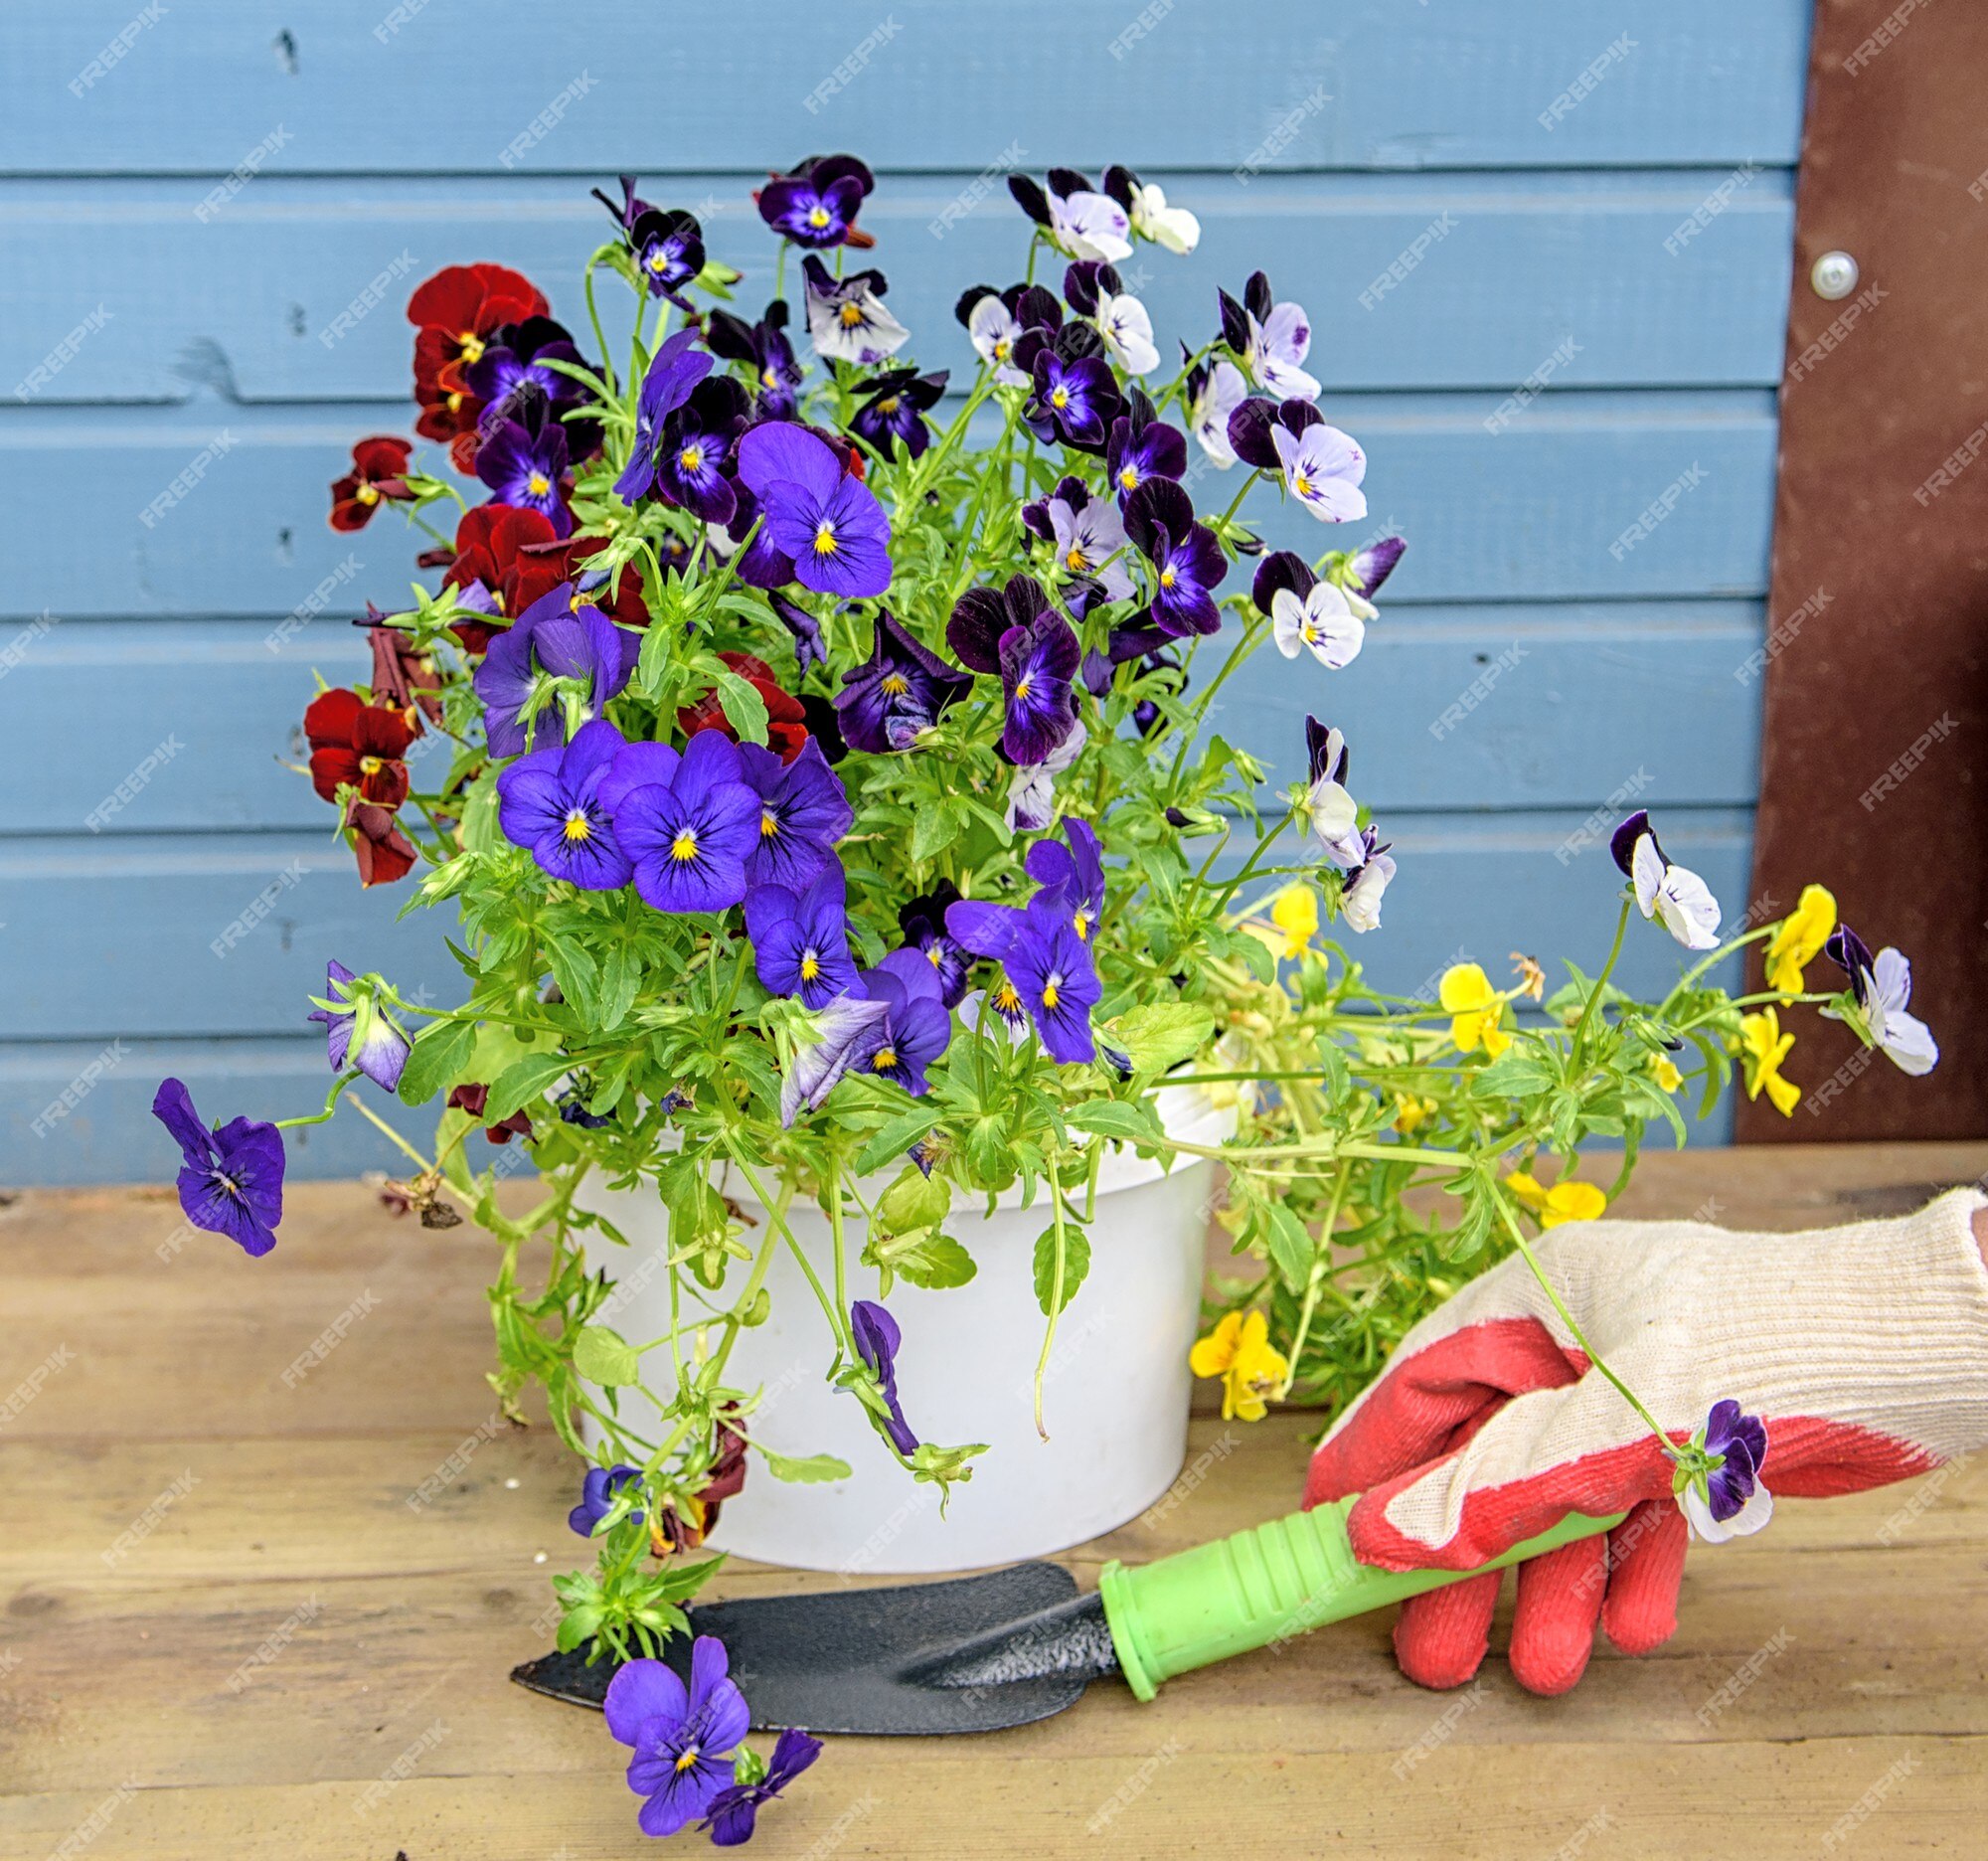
(541, 566)
(382, 851)
(402, 676)
(474, 1098)
(489, 541)
(359, 746)
(456, 313)
(378, 471)
(786, 721)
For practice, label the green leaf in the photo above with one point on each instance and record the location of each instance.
(937, 1263)
(603, 1356)
(1291, 1246)
(1160, 1036)
(522, 1081)
(914, 1201)
(1133, 1122)
(936, 827)
(1516, 1073)
(1076, 1263)
(898, 1137)
(805, 1470)
(480, 832)
(619, 976)
(745, 710)
(441, 1052)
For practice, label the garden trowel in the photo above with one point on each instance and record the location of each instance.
(977, 1653)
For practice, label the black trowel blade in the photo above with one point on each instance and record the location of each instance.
(973, 1654)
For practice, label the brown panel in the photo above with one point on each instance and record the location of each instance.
(1877, 718)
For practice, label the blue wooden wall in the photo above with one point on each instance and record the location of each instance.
(1557, 148)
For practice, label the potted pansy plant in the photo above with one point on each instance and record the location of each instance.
(879, 958)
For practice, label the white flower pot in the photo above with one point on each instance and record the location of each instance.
(1115, 1393)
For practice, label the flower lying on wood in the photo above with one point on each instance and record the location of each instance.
(230, 1179)
(682, 1738)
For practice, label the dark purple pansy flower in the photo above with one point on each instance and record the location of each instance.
(896, 691)
(803, 811)
(809, 648)
(1281, 572)
(847, 1028)
(1072, 876)
(1742, 1440)
(1019, 635)
(764, 349)
(688, 835)
(551, 638)
(800, 941)
(1142, 446)
(894, 407)
(695, 446)
(983, 615)
(825, 521)
(231, 1180)
(380, 1049)
(1047, 966)
(815, 204)
(916, 1023)
(666, 244)
(1188, 561)
(519, 357)
(683, 1740)
(876, 1339)
(597, 1495)
(522, 459)
(549, 803)
(735, 1809)
(1076, 395)
(1253, 429)
(1370, 564)
(922, 922)
(677, 368)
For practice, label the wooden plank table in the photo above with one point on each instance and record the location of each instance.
(227, 1633)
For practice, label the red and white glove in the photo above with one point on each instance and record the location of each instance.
(1864, 1349)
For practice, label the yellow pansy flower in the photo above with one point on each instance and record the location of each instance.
(1295, 913)
(1475, 1008)
(1564, 1202)
(1763, 1047)
(1799, 940)
(1664, 1070)
(1411, 1112)
(1238, 1351)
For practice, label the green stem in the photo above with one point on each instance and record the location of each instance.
(1056, 1295)
(1601, 983)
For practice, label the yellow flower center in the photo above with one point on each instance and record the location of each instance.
(371, 764)
(1080, 923)
(687, 1757)
(851, 315)
(1051, 993)
(893, 684)
(1076, 559)
(769, 378)
(1006, 999)
(577, 826)
(810, 967)
(1128, 476)
(1060, 398)
(471, 346)
(1022, 688)
(691, 458)
(1001, 347)
(366, 493)
(769, 824)
(1166, 577)
(538, 484)
(659, 263)
(887, 1058)
(888, 405)
(824, 538)
(818, 216)
(684, 847)
(1302, 485)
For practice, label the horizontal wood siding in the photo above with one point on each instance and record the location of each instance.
(1530, 663)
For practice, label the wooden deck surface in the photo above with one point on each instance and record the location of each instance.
(169, 1507)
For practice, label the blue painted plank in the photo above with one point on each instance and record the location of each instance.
(1585, 496)
(80, 1111)
(1213, 84)
(123, 934)
(1515, 273)
(1481, 707)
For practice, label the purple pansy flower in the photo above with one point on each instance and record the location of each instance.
(1018, 635)
(1269, 339)
(677, 368)
(800, 941)
(695, 444)
(922, 921)
(764, 349)
(552, 638)
(846, 318)
(1076, 395)
(550, 803)
(1142, 446)
(682, 1741)
(876, 1339)
(735, 1808)
(803, 629)
(803, 811)
(1088, 536)
(597, 1496)
(1883, 988)
(231, 1180)
(522, 459)
(1046, 964)
(1673, 894)
(1731, 1503)
(1072, 876)
(1365, 569)
(896, 691)
(916, 1023)
(1080, 221)
(846, 1028)
(894, 407)
(666, 244)
(517, 359)
(825, 521)
(815, 204)
(380, 1049)
(688, 831)
(1032, 788)
(1188, 561)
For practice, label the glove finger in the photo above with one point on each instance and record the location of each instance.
(1440, 1636)
(1645, 1567)
(1542, 1456)
(1426, 1400)
(1553, 1626)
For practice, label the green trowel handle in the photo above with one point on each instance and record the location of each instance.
(1269, 1585)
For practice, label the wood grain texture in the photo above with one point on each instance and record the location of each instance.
(132, 1693)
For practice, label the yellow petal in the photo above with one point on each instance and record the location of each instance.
(1212, 1355)
(1784, 1095)
(1496, 1040)
(1295, 913)
(1667, 1075)
(1525, 1187)
(1573, 1202)
(1463, 986)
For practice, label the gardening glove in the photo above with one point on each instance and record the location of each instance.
(1864, 1349)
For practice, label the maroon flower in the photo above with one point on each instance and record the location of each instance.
(474, 1098)
(358, 746)
(456, 312)
(378, 471)
(382, 851)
